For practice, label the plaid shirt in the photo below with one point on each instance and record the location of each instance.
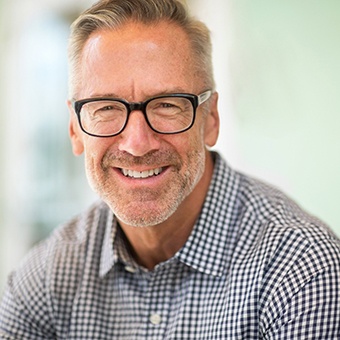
(255, 267)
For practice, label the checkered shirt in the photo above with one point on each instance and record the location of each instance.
(255, 267)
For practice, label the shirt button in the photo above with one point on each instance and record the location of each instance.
(130, 269)
(155, 319)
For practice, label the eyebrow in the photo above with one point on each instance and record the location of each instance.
(114, 95)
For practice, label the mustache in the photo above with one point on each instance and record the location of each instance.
(157, 158)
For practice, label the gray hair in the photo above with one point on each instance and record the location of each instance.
(111, 14)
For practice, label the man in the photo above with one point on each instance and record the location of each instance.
(181, 246)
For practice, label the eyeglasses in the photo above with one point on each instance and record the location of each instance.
(166, 114)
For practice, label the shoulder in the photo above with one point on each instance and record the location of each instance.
(51, 270)
(266, 226)
(285, 242)
(276, 215)
(66, 247)
(297, 258)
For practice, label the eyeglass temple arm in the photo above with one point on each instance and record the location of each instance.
(204, 97)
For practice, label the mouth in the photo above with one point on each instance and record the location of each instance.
(141, 174)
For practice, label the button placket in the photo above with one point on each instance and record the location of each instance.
(158, 302)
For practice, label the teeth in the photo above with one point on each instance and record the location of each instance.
(141, 174)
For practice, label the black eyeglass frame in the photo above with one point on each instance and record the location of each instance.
(196, 100)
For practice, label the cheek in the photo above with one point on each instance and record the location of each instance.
(197, 137)
(192, 151)
(94, 151)
(95, 148)
(192, 144)
(92, 169)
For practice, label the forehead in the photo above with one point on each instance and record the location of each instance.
(137, 55)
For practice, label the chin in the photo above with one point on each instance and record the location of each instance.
(145, 217)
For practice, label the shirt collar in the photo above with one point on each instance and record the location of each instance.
(209, 247)
(109, 254)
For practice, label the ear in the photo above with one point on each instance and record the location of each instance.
(212, 123)
(75, 132)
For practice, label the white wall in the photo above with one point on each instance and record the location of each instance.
(277, 69)
(215, 13)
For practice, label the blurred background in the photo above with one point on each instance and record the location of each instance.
(277, 68)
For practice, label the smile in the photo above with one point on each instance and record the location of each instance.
(141, 174)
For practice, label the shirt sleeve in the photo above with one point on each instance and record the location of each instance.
(308, 301)
(25, 311)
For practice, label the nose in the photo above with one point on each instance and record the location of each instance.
(137, 138)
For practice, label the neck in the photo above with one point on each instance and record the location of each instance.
(155, 244)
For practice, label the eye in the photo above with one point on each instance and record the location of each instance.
(102, 107)
(106, 108)
(168, 106)
(102, 111)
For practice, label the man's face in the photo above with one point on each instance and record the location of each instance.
(143, 176)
